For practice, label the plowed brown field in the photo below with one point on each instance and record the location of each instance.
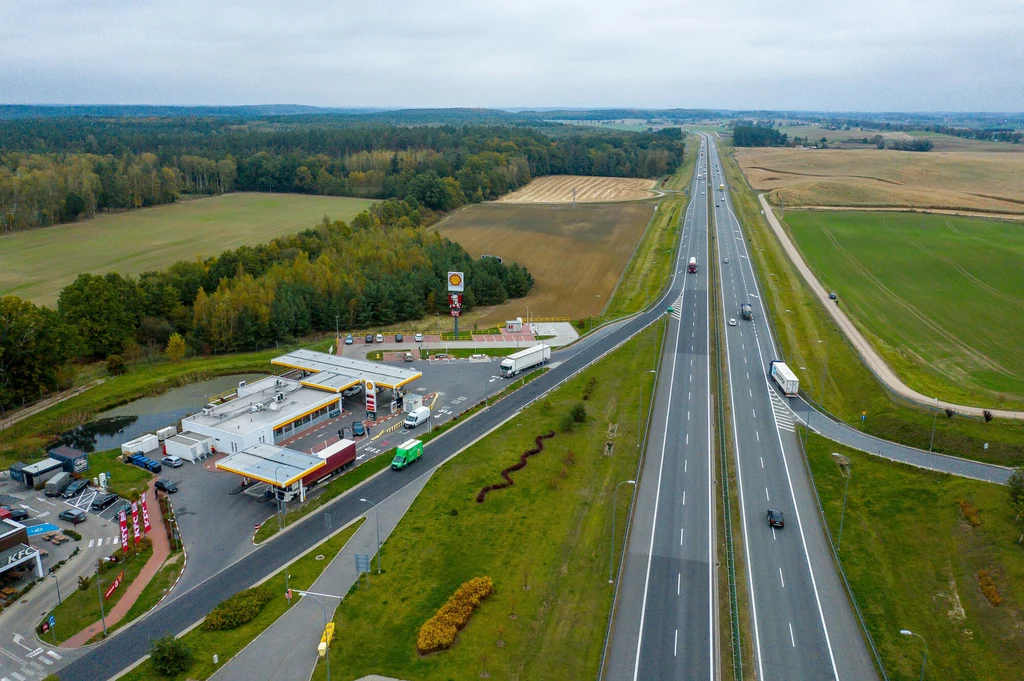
(558, 189)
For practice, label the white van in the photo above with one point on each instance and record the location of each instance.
(417, 416)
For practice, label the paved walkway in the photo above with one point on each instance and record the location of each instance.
(867, 351)
(286, 651)
(161, 549)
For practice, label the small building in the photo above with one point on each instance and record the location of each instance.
(279, 467)
(16, 471)
(14, 547)
(189, 446)
(514, 325)
(74, 460)
(36, 474)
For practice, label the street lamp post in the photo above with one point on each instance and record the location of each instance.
(842, 516)
(376, 521)
(639, 409)
(934, 419)
(924, 660)
(611, 555)
(57, 582)
(323, 609)
(282, 514)
(99, 592)
(337, 331)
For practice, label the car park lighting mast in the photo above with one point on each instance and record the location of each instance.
(376, 521)
(324, 649)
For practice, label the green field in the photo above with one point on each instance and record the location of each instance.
(912, 559)
(941, 296)
(35, 265)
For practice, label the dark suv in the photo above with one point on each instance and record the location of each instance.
(775, 518)
(102, 501)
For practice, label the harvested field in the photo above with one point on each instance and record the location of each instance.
(558, 189)
(961, 181)
(575, 255)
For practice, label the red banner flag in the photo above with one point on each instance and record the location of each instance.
(113, 587)
(135, 522)
(124, 532)
(145, 514)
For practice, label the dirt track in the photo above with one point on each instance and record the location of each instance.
(878, 366)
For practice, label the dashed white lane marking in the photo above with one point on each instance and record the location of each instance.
(766, 495)
(783, 579)
(791, 639)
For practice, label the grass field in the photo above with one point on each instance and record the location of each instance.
(942, 296)
(35, 265)
(968, 181)
(545, 542)
(574, 254)
(912, 559)
(558, 189)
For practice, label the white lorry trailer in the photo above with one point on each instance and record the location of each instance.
(525, 359)
(785, 377)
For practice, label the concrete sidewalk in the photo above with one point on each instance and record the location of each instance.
(286, 651)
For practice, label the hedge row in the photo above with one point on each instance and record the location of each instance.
(238, 610)
(439, 631)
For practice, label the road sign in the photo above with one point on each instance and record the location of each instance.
(456, 282)
(52, 621)
(454, 300)
(371, 396)
(455, 312)
(362, 562)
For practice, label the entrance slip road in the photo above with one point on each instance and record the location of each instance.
(665, 627)
(802, 622)
(125, 647)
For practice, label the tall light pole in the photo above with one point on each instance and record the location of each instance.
(99, 591)
(842, 516)
(323, 609)
(934, 419)
(908, 632)
(337, 331)
(57, 582)
(376, 521)
(611, 554)
(639, 408)
(282, 517)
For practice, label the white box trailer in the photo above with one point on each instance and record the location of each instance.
(189, 446)
(164, 433)
(785, 377)
(525, 359)
(145, 444)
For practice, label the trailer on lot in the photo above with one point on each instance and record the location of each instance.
(145, 444)
(189, 446)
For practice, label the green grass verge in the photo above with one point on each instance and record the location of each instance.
(545, 542)
(81, 607)
(816, 349)
(912, 560)
(126, 480)
(227, 644)
(153, 592)
(941, 297)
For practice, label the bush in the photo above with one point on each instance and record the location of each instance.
(589, 388)
(115, 365)
(988, 587)
(579, 412)
(970, 512)
(988, 415)
(170, 655)
(74, 535)
(439, 632)
(238, 610)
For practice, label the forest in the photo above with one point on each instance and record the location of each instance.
(757, 136)
(55, 170)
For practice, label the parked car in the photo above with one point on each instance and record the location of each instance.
(408, 357)
(19, 514)
(358, 429)
(173, 461)
(102, 501)
(418, 338)
(379, 338)
(166, 486)
(369, 338)
(74, 488)
(775, 518)
(349, 340)
(353, 391)
(73, 515)
(399, 338)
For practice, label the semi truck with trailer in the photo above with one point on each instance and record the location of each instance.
(525, 359)
(785, 377)
(691, 266)
(338, 456)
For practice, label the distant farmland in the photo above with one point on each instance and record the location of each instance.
(576, 255)
(942, 296)
(37, 264)
(558, 189)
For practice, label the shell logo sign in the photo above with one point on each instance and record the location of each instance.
(456, 282)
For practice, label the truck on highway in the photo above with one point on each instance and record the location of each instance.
(56, 485)
(691, 267)
(525, 359)
(721, 187)
(785, 377)
(407, 452)
(746, 311)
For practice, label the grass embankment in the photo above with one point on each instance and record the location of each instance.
(25, 439)
(651, 265)
(941, 297)
(912, 557)
(36, 264)
(126, 480)
(226, 644)
(81, 607)
(800, 322)
(152, 593)
(544, 542)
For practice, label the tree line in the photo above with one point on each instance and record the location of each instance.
(383, 267)
(757, 136)
(56, 170)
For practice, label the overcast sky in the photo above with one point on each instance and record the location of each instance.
(870, 55)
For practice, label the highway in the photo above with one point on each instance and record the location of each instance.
(802, 623)
(666, 623)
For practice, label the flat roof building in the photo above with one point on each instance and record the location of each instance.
(334, 373)
(15, 549)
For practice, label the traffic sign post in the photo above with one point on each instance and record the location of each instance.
(53, 628)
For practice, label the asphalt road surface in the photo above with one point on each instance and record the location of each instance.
(666, 626)
(802, 623)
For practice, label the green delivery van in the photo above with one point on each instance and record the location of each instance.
(408, 451)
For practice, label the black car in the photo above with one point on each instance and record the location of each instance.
(19, 514)
(102, 501)
(74, 488)
(73, 515)
(775, 518)
(369, 338)
(399, 338)
(166, 486)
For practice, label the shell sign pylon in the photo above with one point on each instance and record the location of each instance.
(456, 282)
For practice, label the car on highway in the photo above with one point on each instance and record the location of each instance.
(173, 461)
(369, 338)
(74, 488)
(732, 321)
(418, 338)
(18, 514)
(102, 501)
(166, 486)
(358, 429)
(725, 260)
(399, 338)
(73, 515)
(775, 518)
(349, 340)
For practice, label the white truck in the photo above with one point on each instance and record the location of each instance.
(525, 359)
(785, 377)
(57, 484)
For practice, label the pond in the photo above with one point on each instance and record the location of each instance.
(114, 427)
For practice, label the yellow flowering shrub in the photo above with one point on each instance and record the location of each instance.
(439, 631)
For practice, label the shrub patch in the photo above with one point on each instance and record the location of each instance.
(439, 632)
(238, 610)
(522, 464)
